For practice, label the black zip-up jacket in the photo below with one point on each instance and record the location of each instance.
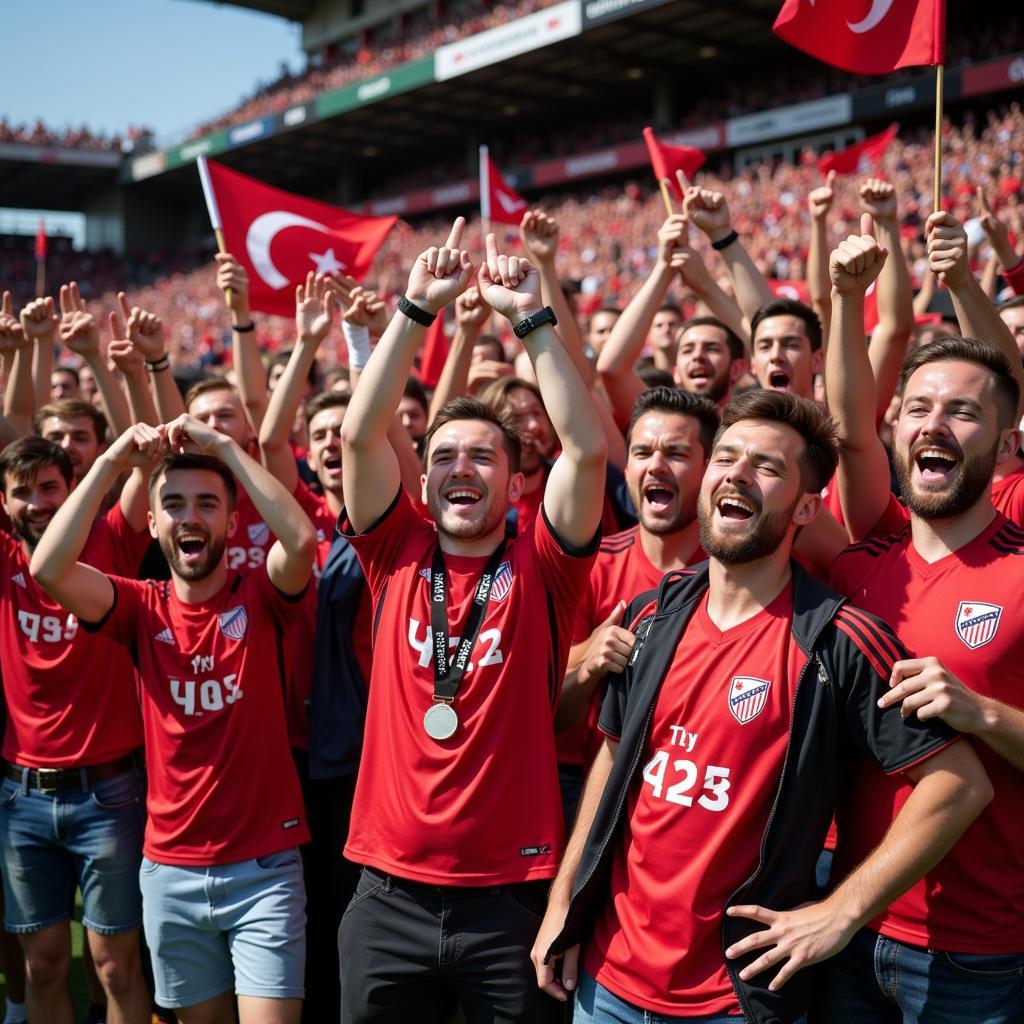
(835, 720)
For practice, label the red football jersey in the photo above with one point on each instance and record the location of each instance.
(70, 696)
(622, 571)
(248, 546)
(963, 609)
(1008, 496)
(222, 785)
(114, 546)
(483, 807)
(693, 833)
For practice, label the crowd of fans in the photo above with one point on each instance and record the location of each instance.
(135, 138)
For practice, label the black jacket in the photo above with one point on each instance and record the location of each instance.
(835, 720)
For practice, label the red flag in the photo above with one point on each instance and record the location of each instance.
(790, 290)
(666, 160)
(279, 237)
(858, 158)
(499, 202)
(41, 242)
(434, 354)
(867, 37)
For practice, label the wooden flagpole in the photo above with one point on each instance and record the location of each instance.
(666, 197)
(214, 212)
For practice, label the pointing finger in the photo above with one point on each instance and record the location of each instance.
(831, 179)
(455, 235)
(7, 308)
(491, 248)
(867, 224)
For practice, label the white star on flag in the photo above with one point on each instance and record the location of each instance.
(327, 262)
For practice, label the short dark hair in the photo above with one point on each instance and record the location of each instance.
(415, 390)
(334, 374)
(1015, 303)
(22, 460)
(782, 306)
(654, 376)
(325, 400)
(604, 309)
(809, 419)
(282, 358)
(466, 408)
(496, 393)
(193, 460)
(737, 350)
(675, 401)
(207, 384)
(64, 368)
(491, 340)
(953, 348)
(668, 307)
(72, 409)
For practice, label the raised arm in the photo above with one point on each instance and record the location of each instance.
(370, 469)
(574, 492)
(80, 333)
(314, 305)
(893, 293)
(471, 313)
(146, 333)
(17, 349)
(819, 202)
(695, 275)
(709, 211)
(132, 365)
(39, 321)
(83, 590)
(947, 256)
(251, 377)
(998, 234)
(863, 476)
(290, 560)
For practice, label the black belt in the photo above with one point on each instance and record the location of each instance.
(49, 780)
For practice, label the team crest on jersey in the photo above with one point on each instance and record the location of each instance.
(977, 622)
(165, 636)
(747, 697)
(19, 578)
(502, 582)
(425, 573)
(233, 623)
(259, 533)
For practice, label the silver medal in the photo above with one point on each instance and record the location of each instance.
(440, 721)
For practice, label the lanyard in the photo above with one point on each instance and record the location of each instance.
(448, 676)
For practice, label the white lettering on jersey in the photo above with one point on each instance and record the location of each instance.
(681, 738)
(715, 790)
(202, 663)
(423, 645)
(209, 695)
(246, 558)
(50, 629)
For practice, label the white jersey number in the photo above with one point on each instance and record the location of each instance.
(50, 629)
(715, 791)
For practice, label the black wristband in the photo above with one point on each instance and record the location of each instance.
(243, 328)
(531, 323)
(414, 313)
(156, 365)
(724, 243)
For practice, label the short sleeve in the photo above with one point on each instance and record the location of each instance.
(114, 547)
(565, 568)
(863, 673)
(283, 608)
(379, 546)
(122, 623)
(892, 520)
(584, 620)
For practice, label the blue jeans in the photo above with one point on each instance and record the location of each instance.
(596, 1005)
(52, 841)
(877, 980)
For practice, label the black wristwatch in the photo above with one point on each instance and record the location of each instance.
(531, 323)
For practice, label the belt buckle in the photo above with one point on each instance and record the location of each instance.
(42, 774)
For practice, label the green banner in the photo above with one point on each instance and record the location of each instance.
(397, 80)
(208, 145)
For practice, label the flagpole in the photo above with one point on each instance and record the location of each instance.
(214, 212)
(938, 137)
(40, 277)
(663, 185)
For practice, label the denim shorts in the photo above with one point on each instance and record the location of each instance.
(233, 927)
(52, 841)
(597, 1005)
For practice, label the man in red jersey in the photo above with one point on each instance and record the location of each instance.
(668, 443)
(952, 946)
(457, 814)
(748, 685)
(68, 747)
(221, 878)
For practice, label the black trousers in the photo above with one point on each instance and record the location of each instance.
(403, 945)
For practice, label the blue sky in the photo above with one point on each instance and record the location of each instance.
(109, 63)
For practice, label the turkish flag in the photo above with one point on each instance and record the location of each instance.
(434, 354)
(867, 37)
(279, 237)
(858, 158)
(499, 202)
(666, 160)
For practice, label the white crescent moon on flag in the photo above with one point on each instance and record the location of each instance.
(262, 232)
(879, 9)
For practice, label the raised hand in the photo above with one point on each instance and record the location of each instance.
(139, 445)
(709, 211)
(471, 312)
(857, 261)
(998, 233)
(314, 304)
(947, 249)
(608, 648)
(440, 275)
(12, 334)
(819, 200)
(485, 372)
(367, 310)
(878, 198)
(186, 431)
(233, 280)
(672, 235)
(78, 328)
(39, 320)
(509, 284)
(539, 234)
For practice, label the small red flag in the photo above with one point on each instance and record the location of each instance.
(867, 37)
(434, 354)
(41, 242)
(790, 289)
(499, 202)
(279, 237)
(861, 156)
(666, 160)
